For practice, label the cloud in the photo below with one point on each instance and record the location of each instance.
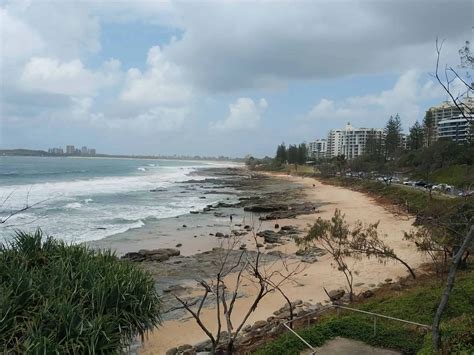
(161, 83)
(68, 78)
(407, 97)
(18, 39)
(268, 44)
(243, 114)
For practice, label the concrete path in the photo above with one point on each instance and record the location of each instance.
(343, 346)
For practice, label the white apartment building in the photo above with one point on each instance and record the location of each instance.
(459, 129)
(334, 143)
(447, 111)
(350, 141)
(317, 149)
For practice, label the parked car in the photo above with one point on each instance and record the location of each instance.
(396, 180)
(408, 182)
(443, 187)
(420, 183)
(466, 193)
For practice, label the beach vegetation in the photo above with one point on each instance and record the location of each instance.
(221, 290)
(417, 302)
(343, 241)
(57, 298)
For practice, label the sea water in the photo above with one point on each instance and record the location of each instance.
(85, 199)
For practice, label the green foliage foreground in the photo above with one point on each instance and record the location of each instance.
(417, 304)
(69, 299)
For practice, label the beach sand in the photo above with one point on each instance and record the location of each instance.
(309, 284)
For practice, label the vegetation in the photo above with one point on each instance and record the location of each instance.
(417, 303)
(67, 299)
(341, 240)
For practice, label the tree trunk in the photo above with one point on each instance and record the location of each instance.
(407, 266)
(449, 286)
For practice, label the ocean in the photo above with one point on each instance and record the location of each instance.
(87, 199)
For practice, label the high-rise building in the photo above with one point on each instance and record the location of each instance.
(84, 150)
(317, 149)
(57, 151)
(334, 143)
(92, 151)
(70, 149)
(449, 114)
(350, 141)
(459, 130)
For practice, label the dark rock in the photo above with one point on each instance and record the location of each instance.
(259, 324)
(275, 253)
(266, 208)
(336, 294)
(243, 246)
(269, 236)
(367, 294)
(184, 226)
(388, 280)
(179, 245)
(159, 257)
(172, 351)
(277, 226)
(219, 235)
(133, 256)
(194, 212)
(309, 259)
(184, 347)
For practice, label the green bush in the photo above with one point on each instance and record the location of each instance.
(59, 298)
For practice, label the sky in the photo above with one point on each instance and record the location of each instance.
(217, 77)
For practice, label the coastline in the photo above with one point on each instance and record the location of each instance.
(308, 286)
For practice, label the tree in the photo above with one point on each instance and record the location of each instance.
(333, 236)
(302, 153)
(292, 154)
(393, 133)
(365, 241)
(451, 76)
(430, 241)
(374, 144)
(416, 137)
(281, 154)
(248, 267)
(69, 299)
(428, 128)
(341, 163)
(467, 242)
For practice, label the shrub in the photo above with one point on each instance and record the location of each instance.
(59, 298)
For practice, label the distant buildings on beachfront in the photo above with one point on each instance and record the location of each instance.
(444, 121)
(72, 150)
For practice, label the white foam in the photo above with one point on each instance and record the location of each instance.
(49, 192)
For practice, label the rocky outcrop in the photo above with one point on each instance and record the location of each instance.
(310, 254)
(158, 255)
(270, 236)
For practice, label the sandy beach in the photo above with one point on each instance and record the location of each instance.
(309, 284)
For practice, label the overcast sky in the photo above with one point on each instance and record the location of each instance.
(216, 77)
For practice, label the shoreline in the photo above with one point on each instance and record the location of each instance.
(308, 286)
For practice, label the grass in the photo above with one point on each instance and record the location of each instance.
(59, 298)
(457, 175)
(417, 303)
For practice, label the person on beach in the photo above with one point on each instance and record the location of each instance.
(230, 218)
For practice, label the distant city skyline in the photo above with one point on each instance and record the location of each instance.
(162, 78)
